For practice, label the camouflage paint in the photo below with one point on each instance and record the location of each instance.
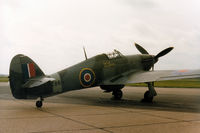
(94, 70)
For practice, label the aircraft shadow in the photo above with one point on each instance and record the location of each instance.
(128, 103)
(134, 102)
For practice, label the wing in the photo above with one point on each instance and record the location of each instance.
(150, 76)
(34, 82)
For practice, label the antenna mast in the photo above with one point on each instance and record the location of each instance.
(85, 53)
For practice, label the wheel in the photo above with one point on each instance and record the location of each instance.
(38, 104)
(148, 97)
(117, 94)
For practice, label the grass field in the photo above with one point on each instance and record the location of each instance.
(181, 83)
(3, 79)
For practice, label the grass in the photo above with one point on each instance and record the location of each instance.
(181, 83)
(3, 79)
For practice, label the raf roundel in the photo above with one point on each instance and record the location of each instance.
(87, 77)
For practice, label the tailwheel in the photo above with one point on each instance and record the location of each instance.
(147, 97)
(117, 94)
(39, 103)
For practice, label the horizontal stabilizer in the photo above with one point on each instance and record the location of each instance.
(35, 82)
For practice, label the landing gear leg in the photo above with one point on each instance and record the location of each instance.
(117, 94)
(149, 95)
(39, 103)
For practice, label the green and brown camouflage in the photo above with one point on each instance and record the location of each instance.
(101, 66)
(109, 71)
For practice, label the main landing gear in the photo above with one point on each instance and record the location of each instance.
(149, 95)
(115, 89)
(39, 103)
(117, 94)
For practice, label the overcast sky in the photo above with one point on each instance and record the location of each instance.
(53, 32)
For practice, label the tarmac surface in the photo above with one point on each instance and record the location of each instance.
(91, 111)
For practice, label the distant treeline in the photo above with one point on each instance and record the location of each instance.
(3, 75)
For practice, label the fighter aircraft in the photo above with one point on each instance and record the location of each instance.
(109, 71)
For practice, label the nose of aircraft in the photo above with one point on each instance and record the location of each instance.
(151, 59)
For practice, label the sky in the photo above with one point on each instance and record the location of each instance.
(53, 32)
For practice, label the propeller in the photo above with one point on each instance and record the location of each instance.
(164, 52)
(141, 49)
(154, 58)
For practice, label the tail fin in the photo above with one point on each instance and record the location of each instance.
(22, 68)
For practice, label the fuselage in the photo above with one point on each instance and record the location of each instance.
(89, 73)
(98, 68)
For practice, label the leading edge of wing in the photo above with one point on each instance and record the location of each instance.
(150, 76)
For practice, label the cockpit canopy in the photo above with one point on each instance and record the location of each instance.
(114, 54)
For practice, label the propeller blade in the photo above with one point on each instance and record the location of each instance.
(141, 49)
(164, 52)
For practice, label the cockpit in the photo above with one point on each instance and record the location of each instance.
(114, 54)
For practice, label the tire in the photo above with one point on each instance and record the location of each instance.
(117, 94)
(39, 104)
(147, 97)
